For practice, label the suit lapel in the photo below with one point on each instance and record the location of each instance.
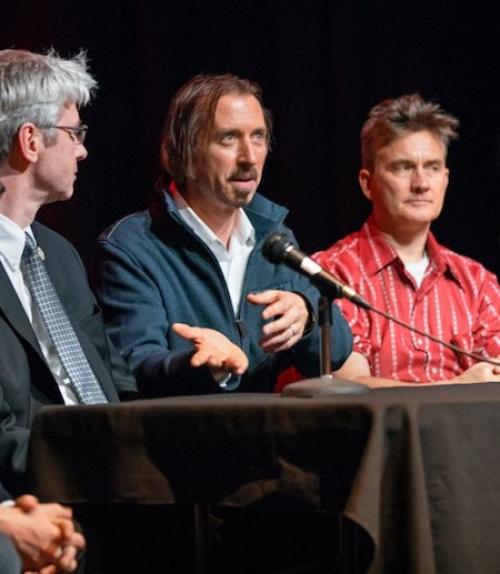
(14, 313)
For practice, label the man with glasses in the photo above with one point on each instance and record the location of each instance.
(53, 347)
(77, 134)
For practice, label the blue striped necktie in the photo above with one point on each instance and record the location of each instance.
(83, 380)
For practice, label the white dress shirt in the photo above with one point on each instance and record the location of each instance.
(12, 240)
(233, 260)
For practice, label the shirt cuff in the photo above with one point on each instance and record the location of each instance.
(221, 377)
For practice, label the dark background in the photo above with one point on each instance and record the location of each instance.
(322, 65)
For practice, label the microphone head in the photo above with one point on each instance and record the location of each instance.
(275, 246)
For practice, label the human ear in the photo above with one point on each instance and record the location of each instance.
(29, 140)
(365, 181)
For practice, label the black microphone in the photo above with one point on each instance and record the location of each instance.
(279, 249)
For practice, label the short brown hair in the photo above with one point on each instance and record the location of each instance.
(392, 118)
(190, 118)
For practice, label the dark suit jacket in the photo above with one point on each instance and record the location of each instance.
(26, 383)
(4, 495)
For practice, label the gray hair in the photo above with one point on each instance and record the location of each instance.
(393, 118)
(34, 88)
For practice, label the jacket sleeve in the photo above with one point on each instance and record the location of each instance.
(89, 321)
(4, 495)
(138, 325)
(13, 450)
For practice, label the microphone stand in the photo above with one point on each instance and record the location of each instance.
(325, 325)
(326, 384)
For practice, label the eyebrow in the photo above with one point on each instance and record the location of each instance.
(221, 132)
(408, 161)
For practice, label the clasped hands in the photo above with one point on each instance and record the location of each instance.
(43, 534)
(482, 372)
(287, 316)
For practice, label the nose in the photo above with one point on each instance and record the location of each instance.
(246, 152)
(81, 152)
(419, 181)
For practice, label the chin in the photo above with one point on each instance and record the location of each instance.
(64, 196)
(422, 216)
(240, 204)
(243, 198)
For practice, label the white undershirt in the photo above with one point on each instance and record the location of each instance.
(12, 242)
(233, 260)
(417, 269)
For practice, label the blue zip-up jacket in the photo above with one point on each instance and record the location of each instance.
(151, 270)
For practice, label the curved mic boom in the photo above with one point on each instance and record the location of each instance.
(279, 249)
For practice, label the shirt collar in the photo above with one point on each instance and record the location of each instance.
(243, 231)
(374, 248)
(12, 241)
(378, 253)
(439, 259)
(264, 215)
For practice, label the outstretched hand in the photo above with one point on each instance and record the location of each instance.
(213, 349)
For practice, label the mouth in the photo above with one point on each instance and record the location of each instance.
(418, 201)
(244, 183)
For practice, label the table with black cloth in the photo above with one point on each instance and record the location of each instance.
(417, 469)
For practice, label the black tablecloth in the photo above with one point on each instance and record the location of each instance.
(418, 469)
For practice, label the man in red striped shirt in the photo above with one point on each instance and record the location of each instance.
(397, 265)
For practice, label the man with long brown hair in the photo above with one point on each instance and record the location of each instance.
(188, 297)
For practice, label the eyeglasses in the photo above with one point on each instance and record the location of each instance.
(76, 133)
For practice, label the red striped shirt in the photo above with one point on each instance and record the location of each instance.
(458, 301)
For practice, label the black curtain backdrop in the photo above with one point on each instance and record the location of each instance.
(321, 63)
